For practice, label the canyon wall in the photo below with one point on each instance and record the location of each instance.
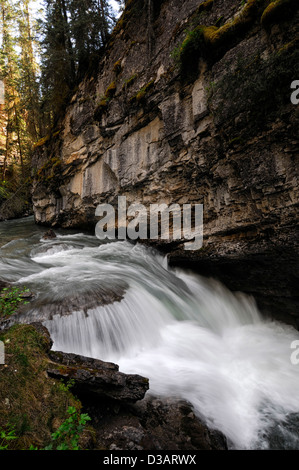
(191, 104)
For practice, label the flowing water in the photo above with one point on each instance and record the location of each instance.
(189, 335)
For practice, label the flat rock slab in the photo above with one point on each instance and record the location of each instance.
(92, 376)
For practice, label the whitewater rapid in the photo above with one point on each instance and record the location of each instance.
(189, 335)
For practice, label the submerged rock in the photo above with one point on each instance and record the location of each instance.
(4, 284)
(49, 235)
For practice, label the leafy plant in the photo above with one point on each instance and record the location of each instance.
(67, 435)
(10, 300)
(6, 437)
(65, 387)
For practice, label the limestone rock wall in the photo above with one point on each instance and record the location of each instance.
(169, 118)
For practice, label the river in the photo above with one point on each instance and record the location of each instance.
(189, 335)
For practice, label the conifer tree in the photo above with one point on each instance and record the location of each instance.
(18, 71)
(74, 34)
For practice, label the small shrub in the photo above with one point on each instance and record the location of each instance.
(5, 191)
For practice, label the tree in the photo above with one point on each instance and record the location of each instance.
(18, 70)
(9, 75)
(75, 34)
(28, 85)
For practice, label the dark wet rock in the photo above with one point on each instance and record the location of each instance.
(124, 416)
(16, 207)
(27, 295)
(42, 310)
(95, 377)
(50, 235)
(4, 284)
(153, 424)
(97, 297)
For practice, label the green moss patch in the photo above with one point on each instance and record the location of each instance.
(142, 93)
(130, 81)
(117, 67)
(104, 101)
(278, 10)
(210, 42)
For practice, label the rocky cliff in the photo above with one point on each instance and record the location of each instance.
(191, 104)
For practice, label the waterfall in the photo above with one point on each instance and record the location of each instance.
(191, 337)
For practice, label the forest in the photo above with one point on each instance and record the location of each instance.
(45, 50)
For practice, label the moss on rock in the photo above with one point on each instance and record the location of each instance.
(209, 42)
(277, 11)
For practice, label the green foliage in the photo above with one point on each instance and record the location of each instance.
(32, 404)
(65, 387)
(49, 170)
(6, 436)
(66, 437)
(68, 434)
(111, 90)
(10, 300)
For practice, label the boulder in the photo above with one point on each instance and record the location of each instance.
(155, 423)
